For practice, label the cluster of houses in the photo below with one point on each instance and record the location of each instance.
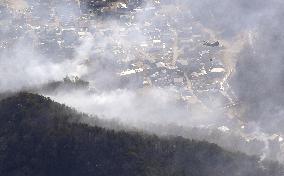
(165, 46)
(172, 54)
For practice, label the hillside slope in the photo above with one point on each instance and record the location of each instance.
(39, 137)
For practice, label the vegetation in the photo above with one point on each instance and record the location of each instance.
(68, 83)
(39, 137)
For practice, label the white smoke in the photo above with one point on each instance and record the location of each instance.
(24, 68)
(255, 58)
(153, 105)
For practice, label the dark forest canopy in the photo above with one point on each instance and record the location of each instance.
(39, 137)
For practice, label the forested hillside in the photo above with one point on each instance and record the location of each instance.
(39, 137)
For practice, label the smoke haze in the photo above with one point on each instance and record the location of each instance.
(252, 55)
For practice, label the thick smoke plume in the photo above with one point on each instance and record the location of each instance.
(251, 37)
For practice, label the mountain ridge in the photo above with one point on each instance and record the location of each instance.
(41, 137)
